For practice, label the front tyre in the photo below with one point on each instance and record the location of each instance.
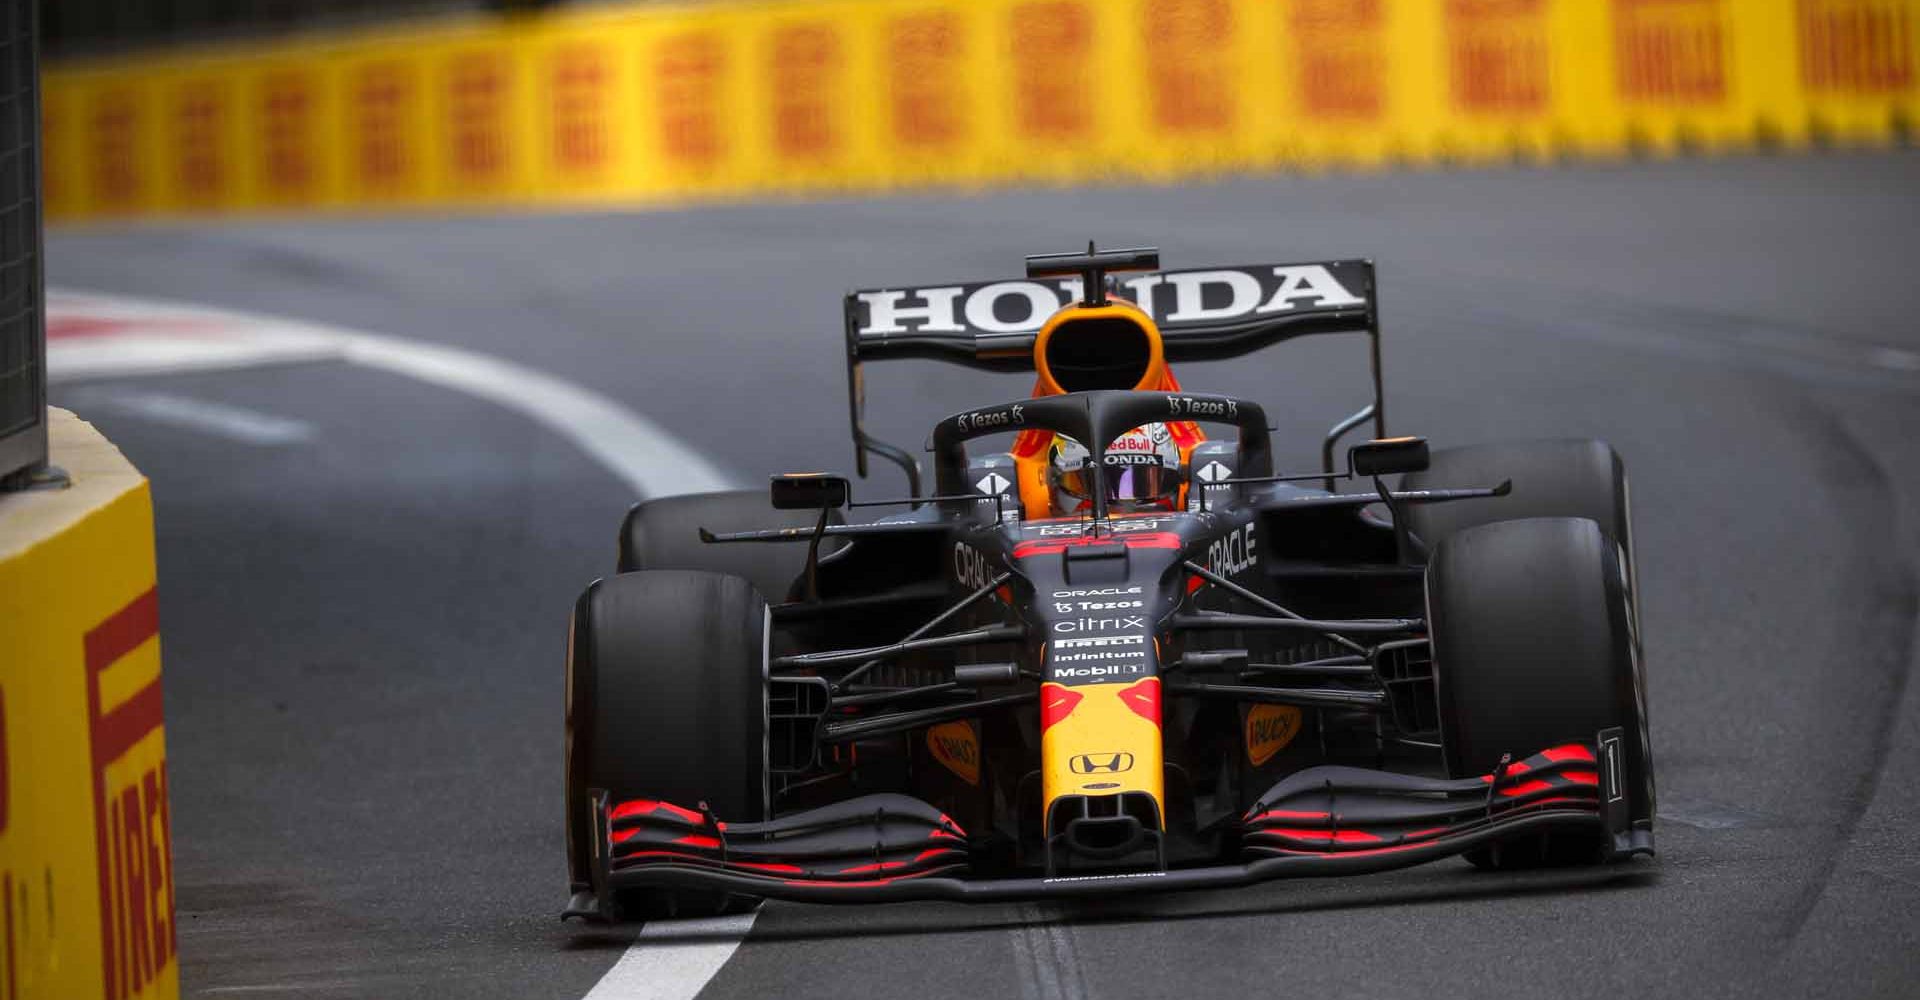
(1533, 647)
(666, 700)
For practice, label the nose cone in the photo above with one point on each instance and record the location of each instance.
(1101, 768)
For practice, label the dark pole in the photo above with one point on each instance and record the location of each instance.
(23, 331)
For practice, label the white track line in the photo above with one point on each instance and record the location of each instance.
(189, 337)
(117, 337)
(235, 423)
(673, 960)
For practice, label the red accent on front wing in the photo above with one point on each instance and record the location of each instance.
(1514, 770)
(881, 866)
(780, 869)
(1333, 836)
(643, 807)
(1288, 825)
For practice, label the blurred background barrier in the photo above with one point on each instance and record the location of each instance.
(86, 863)
(645, 103)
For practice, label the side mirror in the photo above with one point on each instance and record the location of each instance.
(1386, 456)
(809, 491)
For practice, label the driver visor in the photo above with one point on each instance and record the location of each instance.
(1136, 480)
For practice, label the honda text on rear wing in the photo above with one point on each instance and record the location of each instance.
(1203, 314)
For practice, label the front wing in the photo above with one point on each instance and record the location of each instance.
(1327, 820)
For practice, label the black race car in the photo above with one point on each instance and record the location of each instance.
(1121, 653)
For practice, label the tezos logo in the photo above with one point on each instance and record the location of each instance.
(1012, 416)
(971, 568)
(1234, 554)
(1067, 607)
(1187, 406)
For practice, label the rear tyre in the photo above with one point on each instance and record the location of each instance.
(665, 534)
(666, 700)
(1533, 648)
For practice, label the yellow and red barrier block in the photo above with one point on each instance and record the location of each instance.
(86, 862)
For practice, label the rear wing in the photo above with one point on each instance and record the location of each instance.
(1204, 314)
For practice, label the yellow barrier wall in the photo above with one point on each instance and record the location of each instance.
(86, 866)
(656, 103)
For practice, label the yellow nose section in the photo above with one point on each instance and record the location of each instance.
(1100, 739)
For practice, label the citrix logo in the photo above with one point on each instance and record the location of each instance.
(1100, 624)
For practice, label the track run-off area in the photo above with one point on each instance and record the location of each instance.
(367, 560)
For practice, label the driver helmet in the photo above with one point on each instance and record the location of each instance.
(1143, 472)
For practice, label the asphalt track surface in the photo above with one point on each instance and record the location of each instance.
(363, 622)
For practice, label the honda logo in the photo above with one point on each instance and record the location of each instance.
(1102, 763)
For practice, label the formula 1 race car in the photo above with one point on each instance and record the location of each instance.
(1120, 652)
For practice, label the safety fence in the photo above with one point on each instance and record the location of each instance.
(23, 347)
(86, 863)
(651, 103)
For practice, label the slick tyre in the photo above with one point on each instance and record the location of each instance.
(665, 534)
(666, 700)
(1533, 647)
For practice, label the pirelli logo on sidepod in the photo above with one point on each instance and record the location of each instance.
(133, 832)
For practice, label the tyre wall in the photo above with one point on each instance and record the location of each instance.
(86, 868)
(649, 103)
